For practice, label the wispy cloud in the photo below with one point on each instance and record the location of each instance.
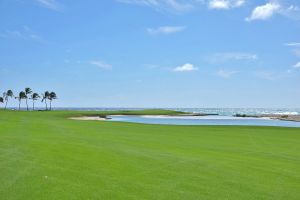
(297, 65)
(177, 6)
(260, 12)
(186, 68)
(50, 4)
(166, 29)
(226, 74)
(273, 75)
(232, 56)
(25, 33)
(181, 6)
(141, 2)
(293, 44)
(100, 64)
(295, 48)
(225, 4)
(266, 11)
(291, 11)
(266, 75)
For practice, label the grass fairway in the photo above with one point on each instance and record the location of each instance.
(44, 155)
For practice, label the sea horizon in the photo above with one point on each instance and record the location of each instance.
(217, 110)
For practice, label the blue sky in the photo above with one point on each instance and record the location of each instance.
(153, 53)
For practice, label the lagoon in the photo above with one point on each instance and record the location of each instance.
(204, 120)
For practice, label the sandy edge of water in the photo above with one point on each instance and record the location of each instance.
(269, 117)
(88, 118)
(97, 118)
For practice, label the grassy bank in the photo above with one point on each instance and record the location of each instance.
(44, 155)
(121, 112)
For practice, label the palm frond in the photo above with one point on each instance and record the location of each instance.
(28, 90)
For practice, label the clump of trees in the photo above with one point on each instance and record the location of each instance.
(28, 94)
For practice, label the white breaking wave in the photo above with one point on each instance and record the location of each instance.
(287, 113)
(246, 111)
(209, 117)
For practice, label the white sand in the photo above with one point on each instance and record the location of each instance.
(88, 118)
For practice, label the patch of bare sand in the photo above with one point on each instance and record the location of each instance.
(89, 118)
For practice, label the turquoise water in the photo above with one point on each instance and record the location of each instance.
(207, 120)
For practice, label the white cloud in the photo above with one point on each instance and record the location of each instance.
(225, 4)
(293, 8)
(181, 6)
(264, 12)
(266, 75)
(101, 64)
(297, 65)
(11, 34)
(273, 75)
(295, 51)
(291, 11)
(24, 33)
(293, 44)
(165, 29)
(232, 56)
(142, 2)
(177, 6)
(272, 8)
(50, 4)
(226, 74)
(186, 68)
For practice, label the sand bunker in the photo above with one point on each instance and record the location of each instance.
(88, 118)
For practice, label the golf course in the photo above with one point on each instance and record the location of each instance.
(47, 155)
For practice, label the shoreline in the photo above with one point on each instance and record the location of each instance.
(88, 118)
(103, 116)
(106, 117)
(293, 118)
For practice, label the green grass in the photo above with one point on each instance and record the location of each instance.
(44, 155)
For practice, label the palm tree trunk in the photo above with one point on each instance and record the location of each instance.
(6, 104)
(46, 105)
(27, 104)
(19, 104)
(50, 104)
(33, 105)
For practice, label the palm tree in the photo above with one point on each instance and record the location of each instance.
(22, 95)
(7, 95)
(45, 96)
(34, 97)
(1, 100)
(51, 97)
(27, 92)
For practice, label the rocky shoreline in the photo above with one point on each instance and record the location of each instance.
(294, 118)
